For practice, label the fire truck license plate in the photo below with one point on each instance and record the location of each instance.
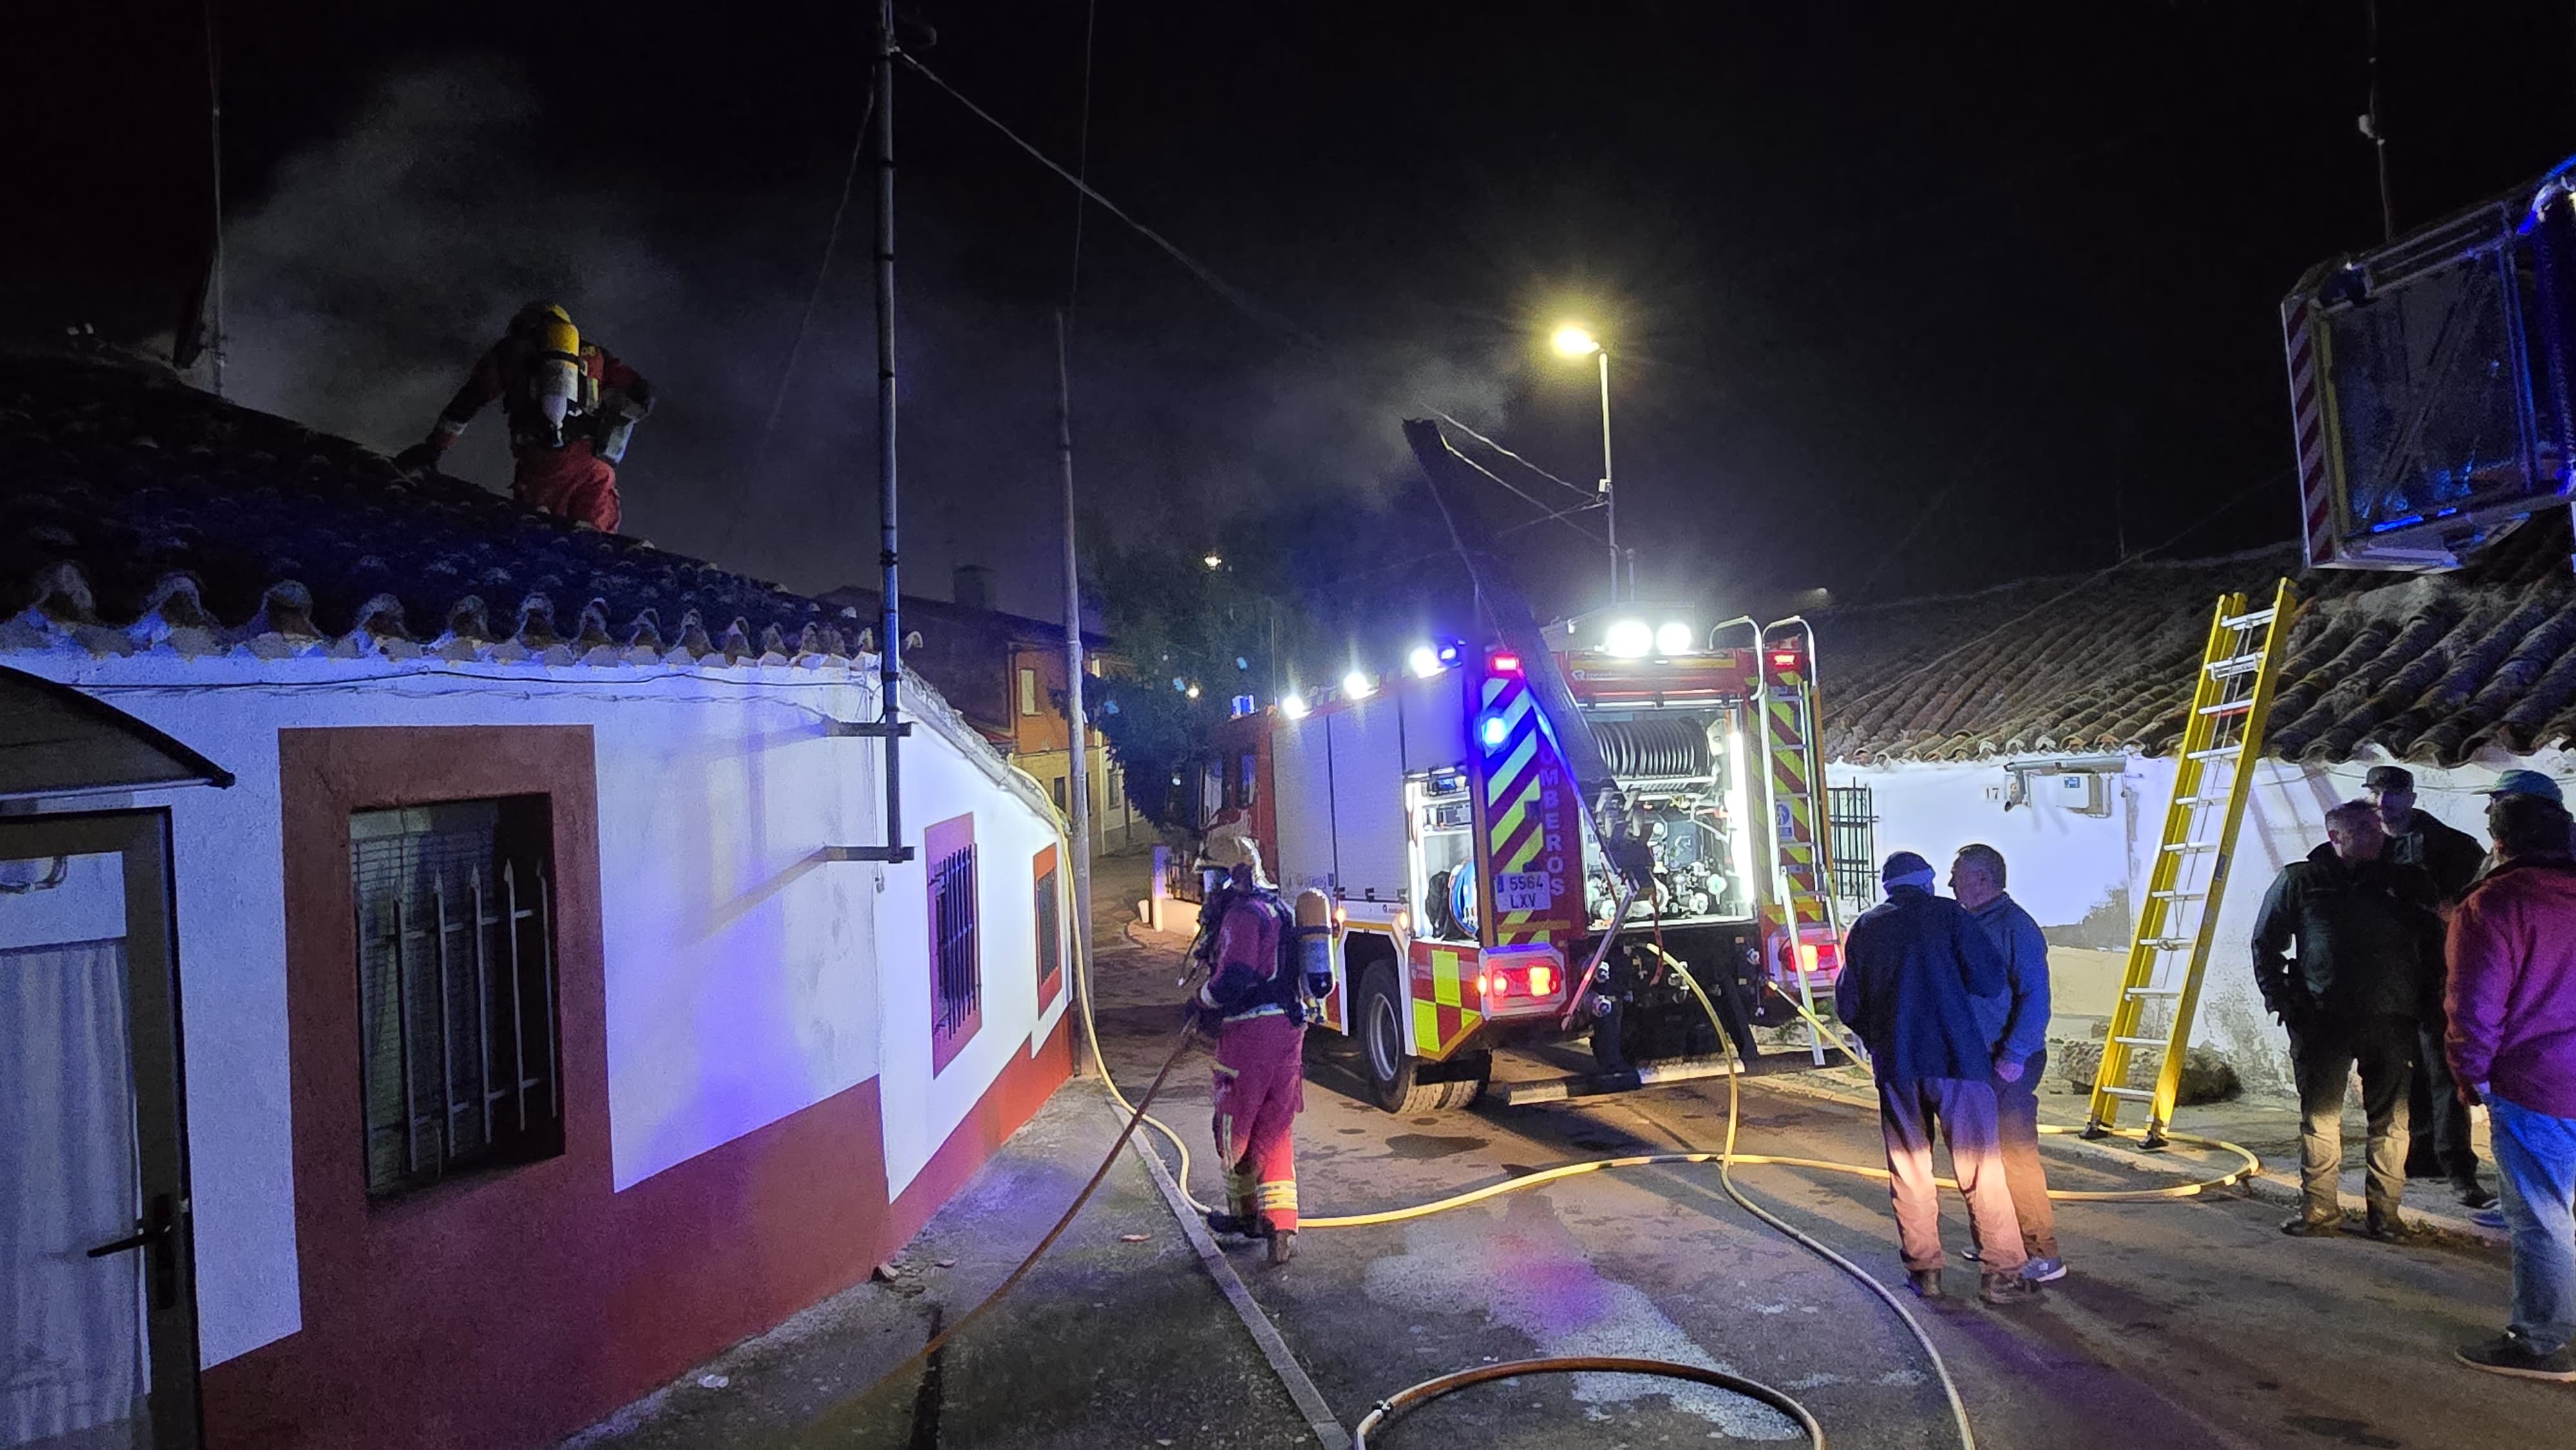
(1520, 891)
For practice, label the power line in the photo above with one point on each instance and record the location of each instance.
(804, 324)
(1514, 457)
(1081, 164)
(1227, 290)
(1533, 500)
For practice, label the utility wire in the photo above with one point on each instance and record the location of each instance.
(1532, 499)
(1514, 457)
(1235, 296)
(804, 324)
(1227, 290)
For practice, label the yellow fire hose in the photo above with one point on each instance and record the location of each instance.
(1386, 1411)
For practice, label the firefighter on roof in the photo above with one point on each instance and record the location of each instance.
(571, 407)
(1263, 973)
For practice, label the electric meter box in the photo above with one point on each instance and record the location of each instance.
(2429, 384)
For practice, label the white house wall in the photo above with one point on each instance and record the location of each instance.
(741, 971)
(2064, 865)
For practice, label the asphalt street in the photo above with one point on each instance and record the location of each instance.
(2184, 1323)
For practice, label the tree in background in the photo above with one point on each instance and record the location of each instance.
(1314, 587)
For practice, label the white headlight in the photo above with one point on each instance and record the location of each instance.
(1673, 639)
(1425, 661)
(1628, 638)
(1293, 706)
(1358, 686)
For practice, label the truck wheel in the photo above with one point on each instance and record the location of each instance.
(1394, 1075)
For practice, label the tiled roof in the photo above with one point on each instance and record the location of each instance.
(2428, 668)
(144, 514)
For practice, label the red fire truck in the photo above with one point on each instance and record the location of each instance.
(1476, 904)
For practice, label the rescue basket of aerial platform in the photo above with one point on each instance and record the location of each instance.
(2430, 383)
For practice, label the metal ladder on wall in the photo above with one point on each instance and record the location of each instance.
(2213, 777)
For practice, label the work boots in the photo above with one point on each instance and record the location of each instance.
(2008, 1289)
(1234, 1225)
(1283, 1245)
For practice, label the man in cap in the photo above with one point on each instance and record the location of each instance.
(2513, 1041)
(2364, 929)
(1254, 1005)
(2437, 1121)
(1918, 981)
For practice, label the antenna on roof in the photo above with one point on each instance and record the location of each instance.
(198, 332)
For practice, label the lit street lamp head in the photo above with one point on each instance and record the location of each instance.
(1575, 340)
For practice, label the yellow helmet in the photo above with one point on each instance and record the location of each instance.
(548, 326)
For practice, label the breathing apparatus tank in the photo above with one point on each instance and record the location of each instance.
(555, 374)
(1315, 941)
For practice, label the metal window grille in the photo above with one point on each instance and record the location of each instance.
(953, 936)
(456, 989)
(1854, 822)
(1050, 928)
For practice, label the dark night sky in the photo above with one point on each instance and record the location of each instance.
(1995, 282)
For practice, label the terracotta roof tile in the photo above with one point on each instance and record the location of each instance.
(147, 514)
(2431, 668)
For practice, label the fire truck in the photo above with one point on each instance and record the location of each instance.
(1477, 905)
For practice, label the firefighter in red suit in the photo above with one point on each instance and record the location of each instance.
(571, 407)
(1255, 1003)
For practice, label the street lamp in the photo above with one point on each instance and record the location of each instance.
(1575, 340)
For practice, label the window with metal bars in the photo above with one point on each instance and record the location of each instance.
(1050, 929)
(956, 955)
(456, 988)
(1853, 818)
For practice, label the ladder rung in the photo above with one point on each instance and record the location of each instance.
(2229, 669)
(2192, 848)
(2179, 895)
(2247, 621)
(2200, 800)
(2232, 707)
(2215, 752)
(2130, 1092)
(2167, 943)
(2141, 1041)
(2153, 992)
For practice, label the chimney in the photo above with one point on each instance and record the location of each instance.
(972, 586)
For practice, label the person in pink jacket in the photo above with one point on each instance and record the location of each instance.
(2512, 1042)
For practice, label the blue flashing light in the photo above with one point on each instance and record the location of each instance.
(1494, 731)
(1451, 653)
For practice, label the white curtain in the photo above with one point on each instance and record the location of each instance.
(72, 1368)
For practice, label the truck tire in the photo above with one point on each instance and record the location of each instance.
(1395, 1077)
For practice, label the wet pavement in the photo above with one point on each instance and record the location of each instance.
(2187, 1323)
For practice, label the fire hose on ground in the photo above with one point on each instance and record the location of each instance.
(1386, 1411)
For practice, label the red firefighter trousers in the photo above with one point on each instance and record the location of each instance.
(569, 482)
(1260, 1086)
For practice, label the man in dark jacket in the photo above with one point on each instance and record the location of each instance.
(2019, 1023)
(2366, 933)
(1915, 967)
(2437, 1121)
(2513, 1041)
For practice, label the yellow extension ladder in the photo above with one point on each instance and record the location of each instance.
(2213, 777)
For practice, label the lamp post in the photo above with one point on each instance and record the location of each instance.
(1574, 340)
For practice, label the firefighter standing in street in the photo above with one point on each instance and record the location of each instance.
(571, 407)
(1254, 1004)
